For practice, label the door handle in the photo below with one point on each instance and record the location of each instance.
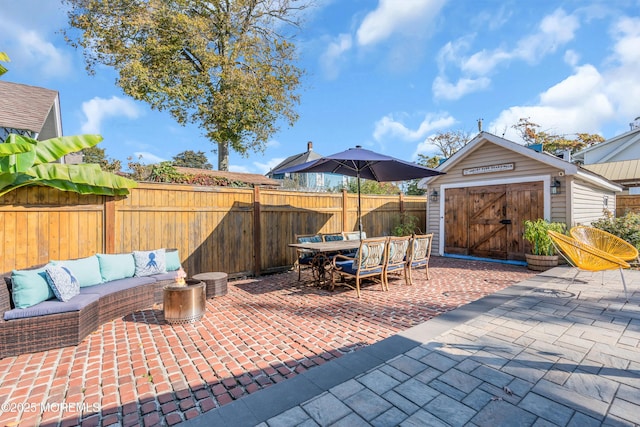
(505, 221)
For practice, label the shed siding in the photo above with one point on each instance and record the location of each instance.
(588, 203)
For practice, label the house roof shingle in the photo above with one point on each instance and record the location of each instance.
(249, 178)
(25, 107)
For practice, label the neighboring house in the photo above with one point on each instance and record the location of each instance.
(30, 111)
(492, 185)
(617, 159)
(620, 148)
(308, 181)
(253, 179)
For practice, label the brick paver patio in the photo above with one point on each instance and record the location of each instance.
(140, 371)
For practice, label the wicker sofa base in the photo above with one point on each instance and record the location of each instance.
(41, 333)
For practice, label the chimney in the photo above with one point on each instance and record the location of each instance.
(309, 146)
(566, 155)
(635, 124)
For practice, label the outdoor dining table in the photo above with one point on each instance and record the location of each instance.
(322, 253)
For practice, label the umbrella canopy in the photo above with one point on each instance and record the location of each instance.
(366, 164)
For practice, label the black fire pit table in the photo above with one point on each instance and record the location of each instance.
(184, 303)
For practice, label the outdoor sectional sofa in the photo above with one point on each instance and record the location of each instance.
(110, 286)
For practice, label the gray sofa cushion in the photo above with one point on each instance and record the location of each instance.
(115, 286)
(52, 306)
(169, 275)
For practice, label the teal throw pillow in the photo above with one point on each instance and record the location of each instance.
(172, 259)
(116, 266)
(86, 270)
(62, 282)
(30, 287)
(149, 263)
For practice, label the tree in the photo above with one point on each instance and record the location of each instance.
(227, 66)
(553, 143)
(97, 155)
(191, 159)
(449, 142)
(26, 161)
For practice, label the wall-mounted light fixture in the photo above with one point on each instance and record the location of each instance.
(555, 186)
(434, 195)
(605, 201)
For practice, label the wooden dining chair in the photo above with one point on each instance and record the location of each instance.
(396, 262)
(368, 262)
(419, 254)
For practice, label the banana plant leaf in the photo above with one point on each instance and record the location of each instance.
(16, 148)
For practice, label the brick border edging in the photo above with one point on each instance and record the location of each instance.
(264, 404)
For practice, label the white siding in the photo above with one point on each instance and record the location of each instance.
(588, 202)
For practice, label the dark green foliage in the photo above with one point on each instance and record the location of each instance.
(192, 159)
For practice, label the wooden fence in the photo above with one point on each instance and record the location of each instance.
(240, 231)
(627, 203)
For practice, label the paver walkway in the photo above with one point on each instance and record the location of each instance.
(141, 371)
(544, 352)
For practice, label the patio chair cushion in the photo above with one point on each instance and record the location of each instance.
(348, 268)
(149, 263)
(172, 259)
(52, 306)
(30, 287)
(86, 270)
(62, 282)
(310, 239)
(116, 266)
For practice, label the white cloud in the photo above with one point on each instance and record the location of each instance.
(442, 89)
(331, 58)
(263, 168)
(589, 98)
(577, 104)
(388, 126)
(393, 16)
(554, 31)
(147, 158)
(99, 109)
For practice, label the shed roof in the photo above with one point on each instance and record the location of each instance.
(26, 107)
(567, 167)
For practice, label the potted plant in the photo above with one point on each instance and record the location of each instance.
(543, 255)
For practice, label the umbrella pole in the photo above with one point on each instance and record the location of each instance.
(359, 209)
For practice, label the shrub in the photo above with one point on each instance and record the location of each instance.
(535, 232)
(626, 227)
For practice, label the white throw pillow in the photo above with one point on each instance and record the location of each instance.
(62, 282)
(149, 263)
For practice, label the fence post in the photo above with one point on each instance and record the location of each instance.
(257, 232)
(401, 204)
(109, 225)
(344, 210)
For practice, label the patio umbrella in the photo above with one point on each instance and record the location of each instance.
(366, 164)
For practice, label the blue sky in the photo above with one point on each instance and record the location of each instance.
(384, 74)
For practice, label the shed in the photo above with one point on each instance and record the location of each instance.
(492, 185)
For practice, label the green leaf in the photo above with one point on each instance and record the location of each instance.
(83, 174)
(8, 149)
(55, 148)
